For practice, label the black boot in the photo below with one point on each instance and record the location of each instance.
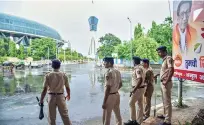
(129, 122)
(161, 116)
(135, 122)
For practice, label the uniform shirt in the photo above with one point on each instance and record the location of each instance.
(149, 76)
(138, 73)
(167, 63)
(55, 82)
(113, 78)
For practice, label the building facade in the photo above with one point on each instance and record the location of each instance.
(22, 31)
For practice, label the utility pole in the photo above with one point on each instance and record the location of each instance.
(130, 41)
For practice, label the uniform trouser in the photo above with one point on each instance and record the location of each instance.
(137, 97)
(112, 104)
(57, 101)
(147, 100)
(167, 101)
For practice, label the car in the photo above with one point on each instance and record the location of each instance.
(35, 65)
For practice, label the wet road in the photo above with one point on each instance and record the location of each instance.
(19, 106)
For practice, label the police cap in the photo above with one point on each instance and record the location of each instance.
(161, 48)
(145, 61)
(56, 64)
(108, 59)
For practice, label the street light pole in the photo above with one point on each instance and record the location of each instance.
(69, 46)
(130, 40)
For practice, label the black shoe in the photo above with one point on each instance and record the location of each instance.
(161, 116)
(164, 123)
(129, 122)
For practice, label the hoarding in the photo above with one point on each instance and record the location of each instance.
(188, 40)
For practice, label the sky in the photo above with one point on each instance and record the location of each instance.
(70, 17)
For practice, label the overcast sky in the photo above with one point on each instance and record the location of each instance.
(70, 18)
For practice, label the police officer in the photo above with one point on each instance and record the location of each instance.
(111, 100)
(137, 93)
(149, 78)
(54, 83)
(166, 73)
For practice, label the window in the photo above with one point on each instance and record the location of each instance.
(6, 20)
(2, 20)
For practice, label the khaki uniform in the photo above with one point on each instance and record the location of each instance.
(137, 96)
(167, 63)
(55, 82)
(149, 78)
(112, 78)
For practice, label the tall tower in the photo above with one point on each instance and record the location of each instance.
(93, 21)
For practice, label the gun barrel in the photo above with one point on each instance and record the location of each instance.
(37, 99)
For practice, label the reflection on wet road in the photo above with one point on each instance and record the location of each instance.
(19, 106)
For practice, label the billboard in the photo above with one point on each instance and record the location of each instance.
(188, 39)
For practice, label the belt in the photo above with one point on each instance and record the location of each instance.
(55, 93)
(113, 93)
(168, 81)
(140, 86)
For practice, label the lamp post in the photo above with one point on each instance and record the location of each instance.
(130, 40)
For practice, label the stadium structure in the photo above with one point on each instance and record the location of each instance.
(23, 31)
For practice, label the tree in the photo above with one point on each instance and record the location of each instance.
(39, 48)
(123, 50)
(12, 49)
(6, 45)
(162, 33)
(21, 52)
(108, 42)
(29, 52)
(146, 48)
(138, 32)
(2, 49)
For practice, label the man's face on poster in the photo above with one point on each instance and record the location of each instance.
(183, 16)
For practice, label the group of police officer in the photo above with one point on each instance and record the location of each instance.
(141, 92)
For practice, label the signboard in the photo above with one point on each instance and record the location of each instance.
(188, 40)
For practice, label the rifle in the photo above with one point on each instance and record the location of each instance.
(41, 115)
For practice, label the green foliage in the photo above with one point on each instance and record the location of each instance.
(2, 48)
(21, 52)
(162, 33)
(6, 45)
(12, 49)
(39, 48)
(29, 52)
(146, 48)
(2, 59)
(109, 41)
(123, 50)
(70, 55)
(138, 32)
